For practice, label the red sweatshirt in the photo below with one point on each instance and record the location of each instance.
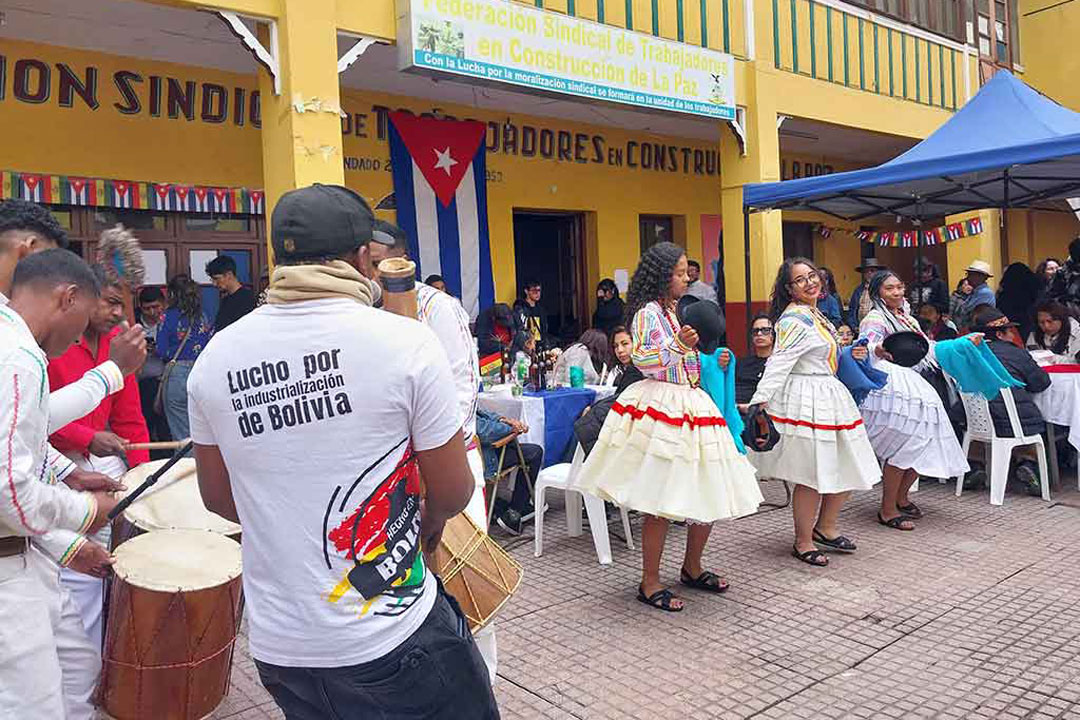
(120, 413)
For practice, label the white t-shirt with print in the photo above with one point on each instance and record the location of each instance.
(317, 408)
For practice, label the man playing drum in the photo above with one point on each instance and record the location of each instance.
(316, 445)
(52, 295)
(98, 441)
(448, 320)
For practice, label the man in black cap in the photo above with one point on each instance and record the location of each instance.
(316, 445)
(860, 303)
(1004, 341)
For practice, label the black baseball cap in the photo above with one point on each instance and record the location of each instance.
(320, 221)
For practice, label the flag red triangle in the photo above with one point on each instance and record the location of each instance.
(442, 149)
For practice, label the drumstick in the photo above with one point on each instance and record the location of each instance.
(126, 502)
(163, 445)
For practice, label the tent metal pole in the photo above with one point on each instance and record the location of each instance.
(1004, 217)
(746, 263)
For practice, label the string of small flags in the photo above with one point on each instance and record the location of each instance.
(130, 194)
(911, 238)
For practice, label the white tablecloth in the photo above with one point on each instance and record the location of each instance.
(1060, 403)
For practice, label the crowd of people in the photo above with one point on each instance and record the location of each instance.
(831, 397)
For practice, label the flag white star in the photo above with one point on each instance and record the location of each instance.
(445, 162)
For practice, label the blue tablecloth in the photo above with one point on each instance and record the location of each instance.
(561, 408)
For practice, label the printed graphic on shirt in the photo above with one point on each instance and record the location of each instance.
(381, 535)
(275, 395)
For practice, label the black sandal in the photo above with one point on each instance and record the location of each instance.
(896, 523)
(707, 581)
(911, 510)
(838, 543)
(660, 599)
(811, 557)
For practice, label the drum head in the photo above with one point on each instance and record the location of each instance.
(173, 502)
(177, 560)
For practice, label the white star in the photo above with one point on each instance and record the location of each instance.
(445, 162)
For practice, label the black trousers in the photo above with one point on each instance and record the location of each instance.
(437, 674)
(521, 500)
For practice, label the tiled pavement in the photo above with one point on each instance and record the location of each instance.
(974, 615)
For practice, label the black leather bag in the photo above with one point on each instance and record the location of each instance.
(759, 426)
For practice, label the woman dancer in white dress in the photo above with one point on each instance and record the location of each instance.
(905, 420)
(823, 447)
(665, 449)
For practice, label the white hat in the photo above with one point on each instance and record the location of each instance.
(980, 266)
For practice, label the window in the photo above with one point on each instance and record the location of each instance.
(105, 218)
(217, 223)
(938, 16)
(655, 229)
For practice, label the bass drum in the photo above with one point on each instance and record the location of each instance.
(174, 617)
(172, 503)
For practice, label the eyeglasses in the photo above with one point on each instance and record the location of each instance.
(761, 331)
(804, 280)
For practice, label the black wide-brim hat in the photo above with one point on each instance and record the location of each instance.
(705, 317)
(759, 426)
(871, 264)
(907, 348)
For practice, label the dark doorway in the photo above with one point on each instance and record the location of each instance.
(548, 248)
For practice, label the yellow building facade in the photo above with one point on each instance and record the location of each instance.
(821, 86)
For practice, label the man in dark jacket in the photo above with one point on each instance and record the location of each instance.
(1065, 287)
(1004, 341)
(530, 313)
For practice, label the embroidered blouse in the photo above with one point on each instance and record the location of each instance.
(657, 350)
(805, 345)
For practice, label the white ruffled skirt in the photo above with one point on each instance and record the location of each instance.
(909, 427)
(665, 450)
(823, 443)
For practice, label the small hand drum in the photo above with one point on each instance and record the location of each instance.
(475, 570)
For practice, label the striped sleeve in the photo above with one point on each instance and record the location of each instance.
(654, 349)
(29, 506)
(60, 545)
(78, 399)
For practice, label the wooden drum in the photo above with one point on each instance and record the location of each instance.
(172, 503)
(174, 616)
(475, 570)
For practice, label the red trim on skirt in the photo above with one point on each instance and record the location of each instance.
(637, 414)
(815, 426)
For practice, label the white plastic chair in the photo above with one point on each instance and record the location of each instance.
(558, 477)
(980, 427)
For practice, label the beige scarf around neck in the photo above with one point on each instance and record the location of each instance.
(335, 279)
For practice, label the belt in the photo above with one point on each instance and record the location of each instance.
(11, 546)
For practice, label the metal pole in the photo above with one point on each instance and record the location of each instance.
(746, 265)
(1004, 219)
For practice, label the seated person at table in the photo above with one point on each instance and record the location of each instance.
(940, 327)
(1056, 331)
(748, 369)
(590, 353)
(497, 330)
(623, 374)
(491, 428)
(1004, 341)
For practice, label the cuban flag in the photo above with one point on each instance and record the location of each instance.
(441, 191)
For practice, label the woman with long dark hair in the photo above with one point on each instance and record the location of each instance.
(1018, 292)
(590, 353)
(609, 307)
(906, 421)
(184, 333)
(664, 449)
(1055, 330)
(823, 448)
(1046, 270)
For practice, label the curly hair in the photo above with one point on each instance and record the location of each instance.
(652, 278)
(781, 293)
(18, 214)
(185, 296)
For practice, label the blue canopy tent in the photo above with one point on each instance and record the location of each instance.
(1008, 147)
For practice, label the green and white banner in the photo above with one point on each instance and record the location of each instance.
(506, 42)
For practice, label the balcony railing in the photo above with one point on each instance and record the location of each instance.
(716, 24)
(832, 41)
